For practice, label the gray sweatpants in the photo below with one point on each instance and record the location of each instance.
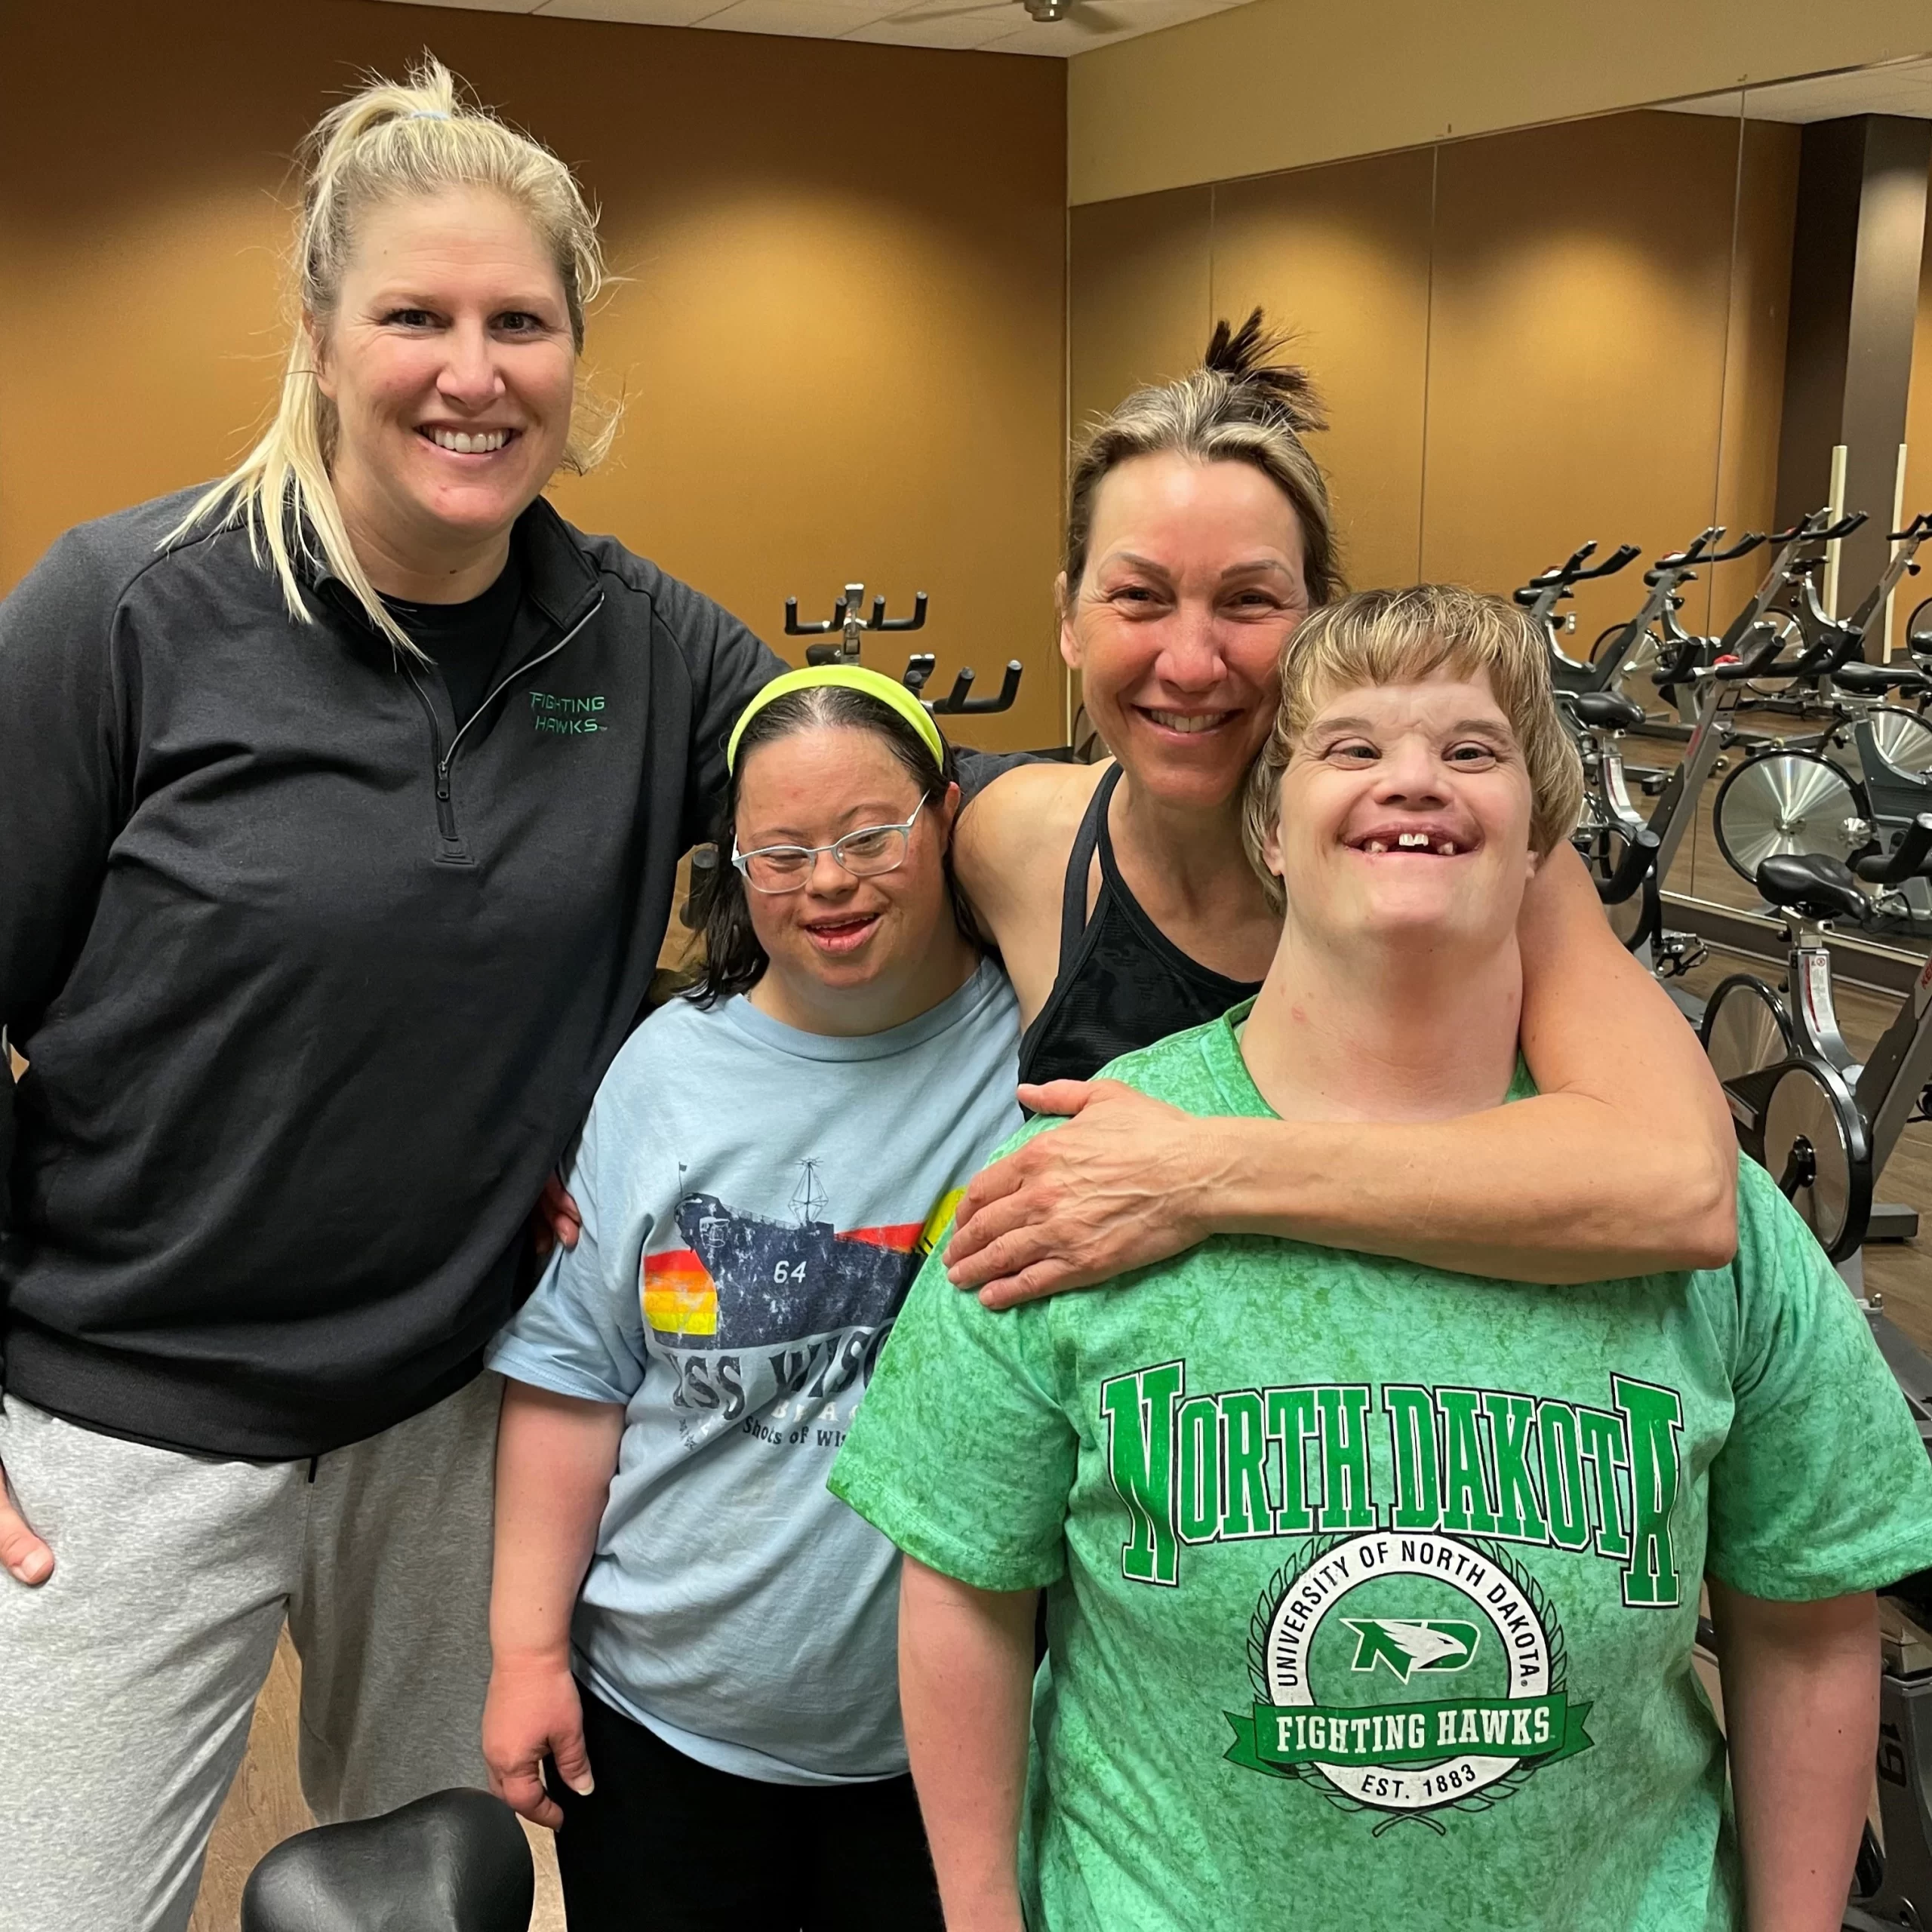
(128, 1678)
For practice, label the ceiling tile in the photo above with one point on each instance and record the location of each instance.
(972, 27)
(810, 18)
(638, 12)
(479, 6)
(1002, 25)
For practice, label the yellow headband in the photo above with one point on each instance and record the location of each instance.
(888, 691)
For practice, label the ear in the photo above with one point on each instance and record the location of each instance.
(318, 350)
(1271, 845)
(948, 812)
(1069, 644)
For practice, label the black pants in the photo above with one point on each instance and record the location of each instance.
(666, 1845)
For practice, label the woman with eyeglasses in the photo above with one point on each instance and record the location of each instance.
(680, 1605)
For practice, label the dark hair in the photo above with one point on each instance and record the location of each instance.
(734, 961)
(1245, 404)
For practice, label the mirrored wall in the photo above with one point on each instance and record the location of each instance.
(1585, 332)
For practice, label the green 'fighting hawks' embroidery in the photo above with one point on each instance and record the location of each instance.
(563, 717)
(1198, 1469)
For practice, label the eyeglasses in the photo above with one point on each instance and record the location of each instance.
(872, 850)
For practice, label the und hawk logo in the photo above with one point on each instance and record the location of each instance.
(1406, 1643)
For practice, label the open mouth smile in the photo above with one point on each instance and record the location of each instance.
(469, 442)
(845, 935)
(1187, 724)
(1411, 841)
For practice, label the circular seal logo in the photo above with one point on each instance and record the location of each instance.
(1408, 1673)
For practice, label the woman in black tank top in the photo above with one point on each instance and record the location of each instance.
(1197, 533)
(1122, 982)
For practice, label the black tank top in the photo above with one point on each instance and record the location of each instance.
(1122, 984)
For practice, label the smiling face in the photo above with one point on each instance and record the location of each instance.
(1404, 818)
(450, 361)
(1194, 582)
(844, 950)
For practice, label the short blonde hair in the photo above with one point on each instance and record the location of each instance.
(386, 141)
(1397, 637)
(1245, 404)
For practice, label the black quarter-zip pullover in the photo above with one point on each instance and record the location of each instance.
(315, 978)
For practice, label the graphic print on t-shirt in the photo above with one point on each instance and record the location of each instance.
(762, 1315)
(1404, 1658)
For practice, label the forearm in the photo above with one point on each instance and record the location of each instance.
(1623, 1164)
(555, 1455)
(1548, 1190)
(1658, 1182)
(1800, 1704)
(965, 1682)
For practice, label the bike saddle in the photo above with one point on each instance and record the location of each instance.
(453, 1861)
(1606, 709)
(1810, 883)
(1875, 680)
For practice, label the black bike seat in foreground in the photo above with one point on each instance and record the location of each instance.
(1872, 679)
(1810, 883)
(1606, 708)
(453, 1861)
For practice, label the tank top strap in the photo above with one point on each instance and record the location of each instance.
(1093, 833)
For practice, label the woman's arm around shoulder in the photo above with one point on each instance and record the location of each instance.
(1623, 1165)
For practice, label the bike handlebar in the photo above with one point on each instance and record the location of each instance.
(1639, 855)
(1560, 577)
(1911, 860)
(1756, 665)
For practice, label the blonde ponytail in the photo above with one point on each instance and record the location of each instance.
(387, 140)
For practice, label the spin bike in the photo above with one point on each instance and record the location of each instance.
(1714, 672)
(1620, 849)
(1793, 797)
(1824, 1126)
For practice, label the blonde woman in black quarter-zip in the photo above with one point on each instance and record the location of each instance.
(341, 805)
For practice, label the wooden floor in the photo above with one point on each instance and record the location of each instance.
(265, 1806)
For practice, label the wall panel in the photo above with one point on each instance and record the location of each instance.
(1341, 255)
(840, 354)
(1754, 357)
(1139, 295)
(1919, 450)
(1576, 353)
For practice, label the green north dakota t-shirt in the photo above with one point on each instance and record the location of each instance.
(1371, 1588)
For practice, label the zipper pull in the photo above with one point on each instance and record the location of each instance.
(443, 784)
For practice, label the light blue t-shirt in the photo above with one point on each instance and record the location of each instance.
(756, 1201)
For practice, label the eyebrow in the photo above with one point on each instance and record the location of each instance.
(1254, 568)
(1484, 728)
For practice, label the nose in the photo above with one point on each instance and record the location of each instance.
(1191, 658)
(1409, 774)
(469, 377)
(828, 879)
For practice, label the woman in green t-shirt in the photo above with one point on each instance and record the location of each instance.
(1384, 1614)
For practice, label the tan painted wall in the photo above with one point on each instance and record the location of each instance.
(1526, 339)
(1280, 84)
(1916, 590)
(843, 352)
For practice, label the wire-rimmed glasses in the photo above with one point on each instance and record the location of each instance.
(865, 853)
